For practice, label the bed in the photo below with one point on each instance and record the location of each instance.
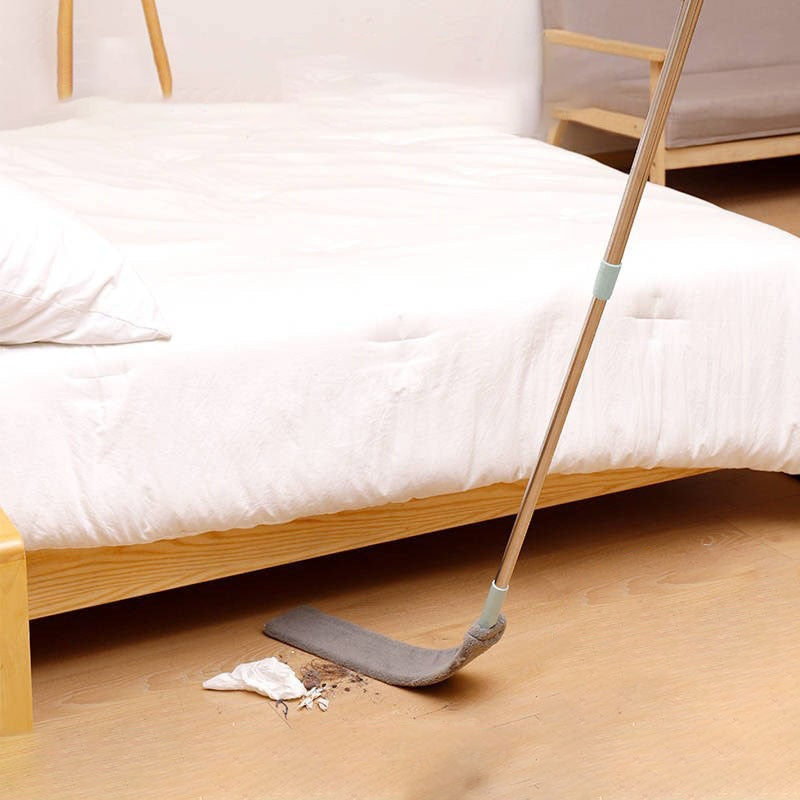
(372, 297)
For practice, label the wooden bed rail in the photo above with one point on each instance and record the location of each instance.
(65, 44)
(52, 581)
(67, 579)
(15, 656)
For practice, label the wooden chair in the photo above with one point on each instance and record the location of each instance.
(65, 48)
(739, 98)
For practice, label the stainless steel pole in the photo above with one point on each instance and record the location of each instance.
(645, 152)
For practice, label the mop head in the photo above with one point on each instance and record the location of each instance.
(378, 656)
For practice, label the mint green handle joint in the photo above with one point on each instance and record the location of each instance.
(492, 606)
(605, 280)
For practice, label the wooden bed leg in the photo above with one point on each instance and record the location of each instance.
(556, 132)
(16, 698)
(64, 49)
(157, 44)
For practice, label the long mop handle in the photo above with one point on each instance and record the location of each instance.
(604, 285)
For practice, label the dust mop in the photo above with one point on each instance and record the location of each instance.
(406, 665)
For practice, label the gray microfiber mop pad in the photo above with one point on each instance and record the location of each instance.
(378, 656)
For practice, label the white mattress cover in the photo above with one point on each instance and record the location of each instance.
(374, 299)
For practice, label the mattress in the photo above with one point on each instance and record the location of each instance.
(372, 299)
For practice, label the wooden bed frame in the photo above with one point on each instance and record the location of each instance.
(44, 582)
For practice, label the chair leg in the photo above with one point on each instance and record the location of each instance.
(64, 49)
(658, 171)
(158, 47)
(16, 714)
(556, 132)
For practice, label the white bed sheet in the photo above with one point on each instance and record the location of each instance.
(374, 299)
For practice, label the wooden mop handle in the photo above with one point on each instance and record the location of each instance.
(609, 268)
(653, 128)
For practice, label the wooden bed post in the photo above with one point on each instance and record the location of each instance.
(16, 698)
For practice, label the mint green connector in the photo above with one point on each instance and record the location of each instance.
(492, 606)
(605, 280)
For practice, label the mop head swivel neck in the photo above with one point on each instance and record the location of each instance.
(375, 655)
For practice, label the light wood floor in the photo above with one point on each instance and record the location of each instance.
(653, 651)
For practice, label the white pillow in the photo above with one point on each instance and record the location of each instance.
(61, 281)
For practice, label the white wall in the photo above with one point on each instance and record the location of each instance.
(27, 59)
(237, 49)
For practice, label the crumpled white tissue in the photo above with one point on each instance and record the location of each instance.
(268, 677)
